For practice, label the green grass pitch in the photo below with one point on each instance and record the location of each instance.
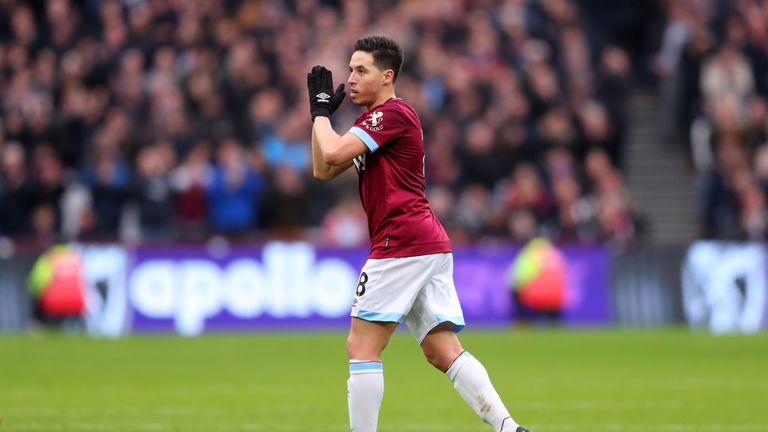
(669, 380)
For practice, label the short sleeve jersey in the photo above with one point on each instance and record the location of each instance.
(391, 180)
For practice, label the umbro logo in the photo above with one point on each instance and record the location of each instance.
(323, 97)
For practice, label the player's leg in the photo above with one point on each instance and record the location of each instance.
(441, 346)
(434, 319)
(443, 350)
(365, 387)
(367, 339)
(385, 292)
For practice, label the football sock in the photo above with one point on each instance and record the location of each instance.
(365, 389)
(471, 380)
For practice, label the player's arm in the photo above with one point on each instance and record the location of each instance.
(332, 153)
(321, 169)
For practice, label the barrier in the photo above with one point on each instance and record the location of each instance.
(295, 285)
(189, 290)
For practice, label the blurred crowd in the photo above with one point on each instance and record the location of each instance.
(175, 120)
(715, 53)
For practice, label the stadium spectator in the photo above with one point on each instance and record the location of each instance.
(234, 191)
(108, 177)
(14, 190)
(47, 185)
(726, 74)
(57, 288)
(189, 181)
(284, 205)
(345, 224)
(152, 190)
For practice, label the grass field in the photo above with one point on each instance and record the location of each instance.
(555, 380)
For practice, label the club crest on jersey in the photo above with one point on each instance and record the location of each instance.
(374, 121)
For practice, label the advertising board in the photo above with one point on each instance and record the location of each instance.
(724, 286)
(279, 286)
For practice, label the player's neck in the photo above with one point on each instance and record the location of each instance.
(383, 97)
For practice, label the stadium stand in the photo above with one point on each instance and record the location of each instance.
(717, 54)
(164, 120)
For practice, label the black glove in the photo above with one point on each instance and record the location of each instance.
(320, 86)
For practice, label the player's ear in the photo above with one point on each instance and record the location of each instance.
(389, 76)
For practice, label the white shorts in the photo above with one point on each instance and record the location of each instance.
(418, 290)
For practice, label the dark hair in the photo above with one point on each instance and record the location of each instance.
(386, 53)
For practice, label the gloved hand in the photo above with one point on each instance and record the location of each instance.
(320, 86)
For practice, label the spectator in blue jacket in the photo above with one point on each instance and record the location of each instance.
(234, 191)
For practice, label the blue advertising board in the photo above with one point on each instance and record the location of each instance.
(190, 290)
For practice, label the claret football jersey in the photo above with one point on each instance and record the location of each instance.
(391, 179)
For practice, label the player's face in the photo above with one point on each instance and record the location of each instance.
(365, 79)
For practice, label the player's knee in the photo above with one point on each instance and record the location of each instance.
(438, 359)
(351, 346)
(357, 349)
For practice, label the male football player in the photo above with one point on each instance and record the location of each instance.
(409, 273)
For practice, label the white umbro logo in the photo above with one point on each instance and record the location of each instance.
(323, 97)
